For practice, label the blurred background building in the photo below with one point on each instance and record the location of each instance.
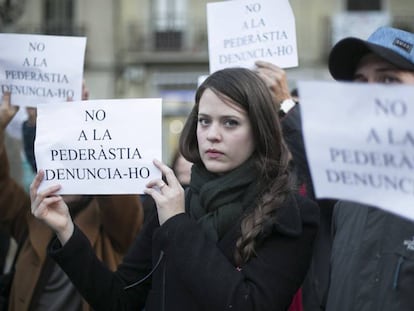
(158, 48)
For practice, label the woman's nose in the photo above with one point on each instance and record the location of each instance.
(213, 132)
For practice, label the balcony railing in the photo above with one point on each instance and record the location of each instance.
(138, 37)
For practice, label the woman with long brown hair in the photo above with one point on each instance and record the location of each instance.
(240, 238)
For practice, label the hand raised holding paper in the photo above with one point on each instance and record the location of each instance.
(7, 110)
(169, 197)
(51, 209)
(275, 78)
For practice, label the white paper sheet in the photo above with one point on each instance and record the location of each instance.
(359, 142)
(244, 31)
(99, 146)
(41, 68)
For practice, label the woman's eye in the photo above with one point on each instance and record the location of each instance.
(203, 121)
(231, 123)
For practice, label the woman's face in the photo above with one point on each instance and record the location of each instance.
(224, 134)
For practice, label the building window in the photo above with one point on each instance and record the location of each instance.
(365, 5)
(10, 11)
(169, 14)
(169, 24)
(59, 17)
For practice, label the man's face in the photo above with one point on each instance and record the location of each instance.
(374, 69)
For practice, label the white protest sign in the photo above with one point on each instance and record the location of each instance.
(40, 68)
(359, 142)
(99, 146)
(244, 31)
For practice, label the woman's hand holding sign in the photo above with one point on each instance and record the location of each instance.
(169, 196)
(51, 209)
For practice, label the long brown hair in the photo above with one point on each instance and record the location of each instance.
(246, 89)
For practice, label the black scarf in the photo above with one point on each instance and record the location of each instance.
(218, 201)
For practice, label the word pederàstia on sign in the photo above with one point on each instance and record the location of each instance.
(372, 158)
(36, 76)
(255, 38)
(115, 153)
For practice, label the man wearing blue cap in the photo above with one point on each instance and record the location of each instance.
(372, 261)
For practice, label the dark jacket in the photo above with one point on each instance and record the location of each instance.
(315, 287)
(292, 133)
(194, 273)
(372, 260)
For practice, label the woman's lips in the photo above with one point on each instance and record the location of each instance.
(213, 154)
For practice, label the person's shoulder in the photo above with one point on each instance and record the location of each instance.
(309, 209)
(295, 213)
(346, 209)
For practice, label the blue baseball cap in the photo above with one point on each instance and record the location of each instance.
(394, 45)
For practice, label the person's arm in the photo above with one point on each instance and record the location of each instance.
(14, 201)
(7, 110)
(101, 288)
(292, 133)
(50, 208)
(276, 79)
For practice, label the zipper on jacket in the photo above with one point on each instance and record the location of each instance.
(397, 272)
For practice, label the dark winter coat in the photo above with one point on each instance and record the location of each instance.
(372, 260)
(194, 273)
